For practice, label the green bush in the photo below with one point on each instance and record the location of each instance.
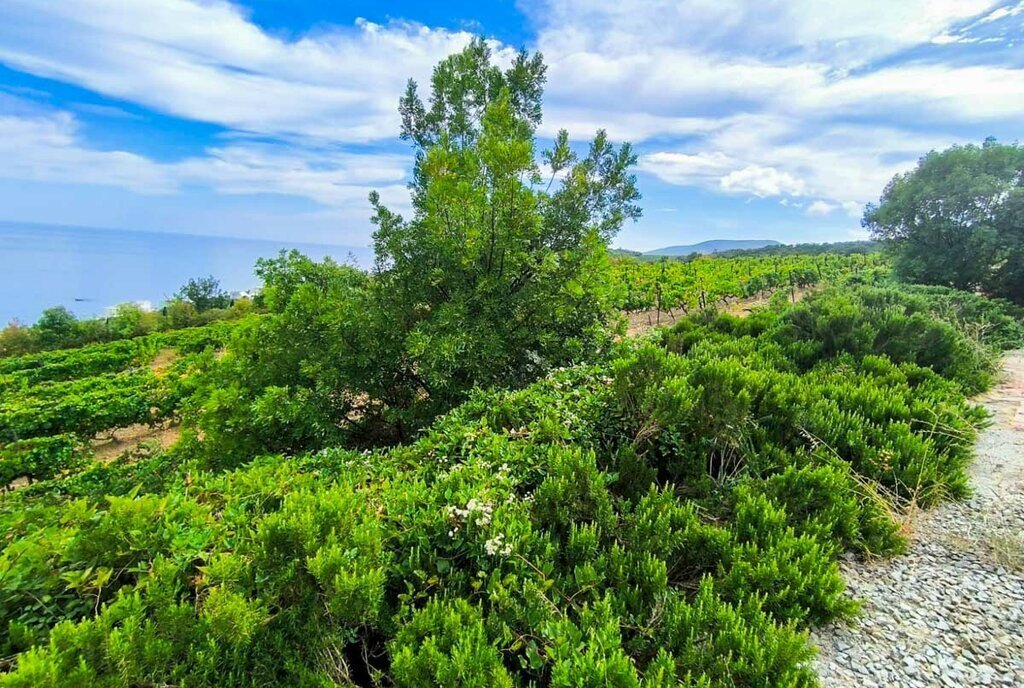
(41, 458)
(670, 515)
(446, 644)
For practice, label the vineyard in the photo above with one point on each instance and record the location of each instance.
(52, 403)
(710, 282)
(669, 515)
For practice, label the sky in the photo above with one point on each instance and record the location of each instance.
(274, 119)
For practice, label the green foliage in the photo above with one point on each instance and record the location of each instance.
(41, 458)
(72, 364)
(832, 503)
(922, 327)
(203, 293)
(85, 391)
(795, 576)
(498, 276)
(670, 515)
(130, 320)
(54, 402)
(994, 323)
(16, 339)
(56, 327)
(285, 383)
(446, 644)
(59, 329)
(708, 282)
(958, 219)
(85, 406)
(729, 645)
(500, 273)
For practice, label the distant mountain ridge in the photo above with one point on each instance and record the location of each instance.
(713, 246)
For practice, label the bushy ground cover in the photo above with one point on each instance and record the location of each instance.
(669, 515)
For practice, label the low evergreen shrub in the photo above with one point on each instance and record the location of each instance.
(671, 515)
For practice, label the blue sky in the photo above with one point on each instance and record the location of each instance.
(275, 118)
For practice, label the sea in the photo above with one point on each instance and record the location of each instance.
(88, 270)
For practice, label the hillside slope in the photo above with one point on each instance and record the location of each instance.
(713, 246)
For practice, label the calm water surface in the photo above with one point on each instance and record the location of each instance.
(88, 269)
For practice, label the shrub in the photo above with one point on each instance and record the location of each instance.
(445, 644)
(670, 515)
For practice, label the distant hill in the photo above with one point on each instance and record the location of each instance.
(713, 246)
(839, 247)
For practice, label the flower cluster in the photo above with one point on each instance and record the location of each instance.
(513, 497)
(497, 545)
(476, 511)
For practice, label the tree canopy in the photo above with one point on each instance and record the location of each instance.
(499, 274)
(500, 271)
(204, 293)
(56, 327)
(957, 219)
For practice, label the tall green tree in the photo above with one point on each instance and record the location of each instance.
(501, 272)
(204, 293)
(57, 327)
(956, 219)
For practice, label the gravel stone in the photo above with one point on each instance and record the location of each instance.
(950, 612)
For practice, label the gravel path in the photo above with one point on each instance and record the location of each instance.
(951, 611)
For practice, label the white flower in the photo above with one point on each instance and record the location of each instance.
(476, 511)
(497, 545)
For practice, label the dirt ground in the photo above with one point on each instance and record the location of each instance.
(163, 360)
(642, 321)
(111, 444)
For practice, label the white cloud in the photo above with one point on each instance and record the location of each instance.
(763, 182)
(47, 147)
(853, 208)
(684, 169)
(206, 61)
(850, 30)
(802, 58)
(820, 208)
(776, 99)
(970, 94)
(844, 165)
(620, 125)
(788, 95)
(1002, 13)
